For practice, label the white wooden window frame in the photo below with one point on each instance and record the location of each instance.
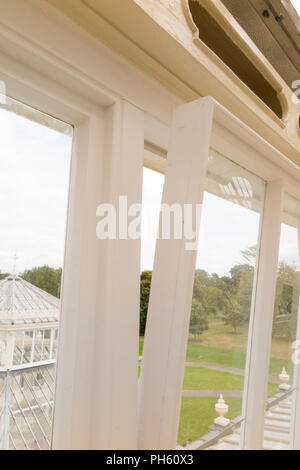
(53, 65)
(76, 79)
(295, 423)
(96, 380)
(96, 387)
(167, 321)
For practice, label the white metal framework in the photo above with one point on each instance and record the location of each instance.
(26, 406)
(22, 302)
(28, 334)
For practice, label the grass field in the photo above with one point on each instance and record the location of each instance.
(197, 352)
(222, 336)
(219, 345)
(201, 378)
(202, 352)
(197, 414)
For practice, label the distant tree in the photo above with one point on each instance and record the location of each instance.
(249, 254)
(3, 275)
(44, 277)
(201, 284)
(233, 313)
(286, 303)
(145, 286)
(239, 272)
(215, 301)
(198, 320)
(208, 291)
(244, 292)
(229, 298)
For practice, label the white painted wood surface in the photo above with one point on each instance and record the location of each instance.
(172, 283)
(295, 435)
(96, 390)
(68, 74)
(261, 319)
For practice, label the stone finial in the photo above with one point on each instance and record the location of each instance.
(222, 410)
(284, 380)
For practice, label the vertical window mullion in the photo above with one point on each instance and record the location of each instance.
(259, 344)
(295, 416)
(172, 282)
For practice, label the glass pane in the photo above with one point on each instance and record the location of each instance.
(218, 333)
(35, 160)
(47, 344)
(281, 370)
(28, 346)
(19, 348)
(152, 193)
(153, 183)
(54, 346)
(38, 345)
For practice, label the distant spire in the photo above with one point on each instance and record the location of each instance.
(14, 271)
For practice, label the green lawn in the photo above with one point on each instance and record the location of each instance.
(197, 414)
(197, 352)
(141, 345)
(201, 378)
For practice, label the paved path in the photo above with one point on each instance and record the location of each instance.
(221, 368)
(212, 393)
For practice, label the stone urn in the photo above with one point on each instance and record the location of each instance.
(284, 380)
(222, 410)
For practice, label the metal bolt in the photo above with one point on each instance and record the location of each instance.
(266, 13)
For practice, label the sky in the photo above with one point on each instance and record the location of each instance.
(34, 162)
(296, 4)
(34, 178)
(225, 230)
(238, 226)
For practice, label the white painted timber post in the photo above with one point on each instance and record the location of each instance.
(172, 282)
(295, 424)
(261, 320)
(97, 369)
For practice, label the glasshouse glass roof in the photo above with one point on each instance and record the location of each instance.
(22, 302)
